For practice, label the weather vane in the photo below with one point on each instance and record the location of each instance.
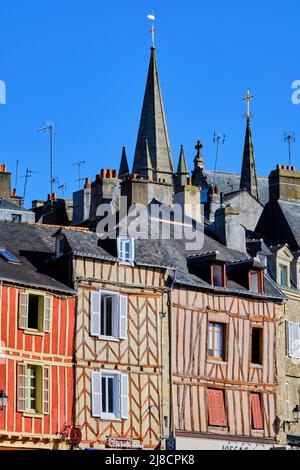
(248, 98)
(153, 29)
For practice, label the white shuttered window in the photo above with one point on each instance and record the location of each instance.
(293, 339)
(108, 315)
(110, 395)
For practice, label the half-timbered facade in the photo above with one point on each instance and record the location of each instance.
(37, 319)
(121, 345)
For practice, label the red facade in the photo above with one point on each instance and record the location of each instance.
(36, 372)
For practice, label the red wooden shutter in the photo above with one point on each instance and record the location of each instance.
(216, 408)
(257, 416)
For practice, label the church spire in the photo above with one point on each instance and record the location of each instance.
(182, 170)
(153, 128)
(248, 175)
(124, 168)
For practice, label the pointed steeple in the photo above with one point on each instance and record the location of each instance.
(248, 175)
(153, 127)
(147, 171)
(124, 168)
(182, 170)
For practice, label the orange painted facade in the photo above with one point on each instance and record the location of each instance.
(50, 352)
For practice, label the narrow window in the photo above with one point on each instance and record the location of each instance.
(32, 388)
(126, 250)
(255, 282)
(108, 394)
(257, 416)
(33, 312)
(218, 276)
(216, 342)
(107, 320)
(283, 275)
(257, 346)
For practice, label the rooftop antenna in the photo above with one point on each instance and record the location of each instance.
(153, 29)
(17, 174)
(219, 139)
(27, 175)
(79, 165)
(49, 127)
(290, 138)
(62, 188)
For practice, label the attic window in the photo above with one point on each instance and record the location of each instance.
(8, 256)
(60, 246)
(126, 250)
(256, 282)
(218, 275)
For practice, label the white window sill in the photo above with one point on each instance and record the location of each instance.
(109, 338)
(32, 414)
(34, 332)
(110, 417)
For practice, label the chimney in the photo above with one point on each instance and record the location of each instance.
(188, 197)
(5, 182)
(213, 203)
(228, 229)
(284, 183)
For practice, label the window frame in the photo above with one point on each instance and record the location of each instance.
(260, 278)
(120, 401)
(45, 306)
(224, 336)
(42, 389)
(286, 267)
(119, 315)
(223, 268)
(129, 261)
(261, 345)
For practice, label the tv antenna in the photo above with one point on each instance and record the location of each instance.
(219, 139)
(27, 175)
(290, 138)
(17, 174)
(50, 128)
(62, 188)
(79, 165)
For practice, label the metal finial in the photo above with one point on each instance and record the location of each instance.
(248, 98)
(153, 29)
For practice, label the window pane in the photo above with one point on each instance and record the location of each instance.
(219, 340)
(104, 395)
(110, 395)
(210, 340)
(107, 316)
(218, 276)
(283, 275)
(254, 282)
(33, 312)
(257, 346)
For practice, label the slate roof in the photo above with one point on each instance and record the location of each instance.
(171, 254)
(291, 212)
(33, 245)
(230, 182)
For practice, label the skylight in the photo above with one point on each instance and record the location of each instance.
(8, 256)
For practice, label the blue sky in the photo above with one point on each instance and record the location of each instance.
(83, 65)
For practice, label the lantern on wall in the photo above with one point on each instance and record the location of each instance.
(296, 414)
(3, 400)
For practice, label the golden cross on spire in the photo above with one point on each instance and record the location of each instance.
(153, 29)
(248, 98)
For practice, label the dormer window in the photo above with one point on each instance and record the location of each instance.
(218, 275)
(256, 282)
(126, 250)
(60, 246)
(283, 275)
